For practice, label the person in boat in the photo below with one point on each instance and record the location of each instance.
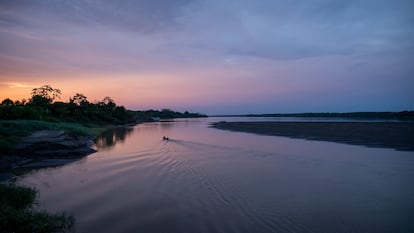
(165, 138)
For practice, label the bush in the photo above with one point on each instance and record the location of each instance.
(17, 213)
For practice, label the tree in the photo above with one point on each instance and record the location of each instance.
(46, 92)
(108, 100)
(7, 102)
(79, 99)
(38, 100)
(109, 103)
(23, 102)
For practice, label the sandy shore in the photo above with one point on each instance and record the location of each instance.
(397, 135)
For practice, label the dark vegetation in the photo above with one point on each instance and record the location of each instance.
(18, 213)
(78, 116)
(44, 111)
(42, 106)
(149, 115)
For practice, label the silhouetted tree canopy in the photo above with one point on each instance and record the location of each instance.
(78, 99)
(47, 92)
(7, 102)
(42, 106)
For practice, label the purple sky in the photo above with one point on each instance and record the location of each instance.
(211, 56)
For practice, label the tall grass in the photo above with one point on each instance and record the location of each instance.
(18, 213)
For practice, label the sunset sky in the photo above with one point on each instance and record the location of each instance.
(213, 56)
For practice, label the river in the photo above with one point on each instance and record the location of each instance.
(210, 180)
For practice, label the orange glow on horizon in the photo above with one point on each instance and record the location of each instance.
(174, 88)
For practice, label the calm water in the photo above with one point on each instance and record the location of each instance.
(209, 180)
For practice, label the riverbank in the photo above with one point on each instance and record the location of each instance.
(396, 135)
(28, 144)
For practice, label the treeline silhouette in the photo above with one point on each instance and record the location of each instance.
(150, 115)
(42, 106)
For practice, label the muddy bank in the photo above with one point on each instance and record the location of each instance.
(55, 144)
(45, 148)
(396, 135)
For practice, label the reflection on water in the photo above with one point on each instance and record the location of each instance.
(209, 180)
(110, 137)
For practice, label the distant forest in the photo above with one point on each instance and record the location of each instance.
(43, 105)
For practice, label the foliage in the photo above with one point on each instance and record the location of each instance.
(17, 213)
(17, 197)
(78, 109)
(79, 99)
(7, 102)
(165, 114)
(46, 92)
(41, 106)
(78, 115)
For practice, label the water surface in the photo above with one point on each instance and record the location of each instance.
(209, 180)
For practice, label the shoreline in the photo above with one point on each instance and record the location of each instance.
(50, 145)
(45, 148)
(395, 135)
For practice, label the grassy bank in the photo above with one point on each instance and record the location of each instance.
(18, 213)
(12, 131)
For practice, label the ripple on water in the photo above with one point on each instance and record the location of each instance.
(206, 180)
